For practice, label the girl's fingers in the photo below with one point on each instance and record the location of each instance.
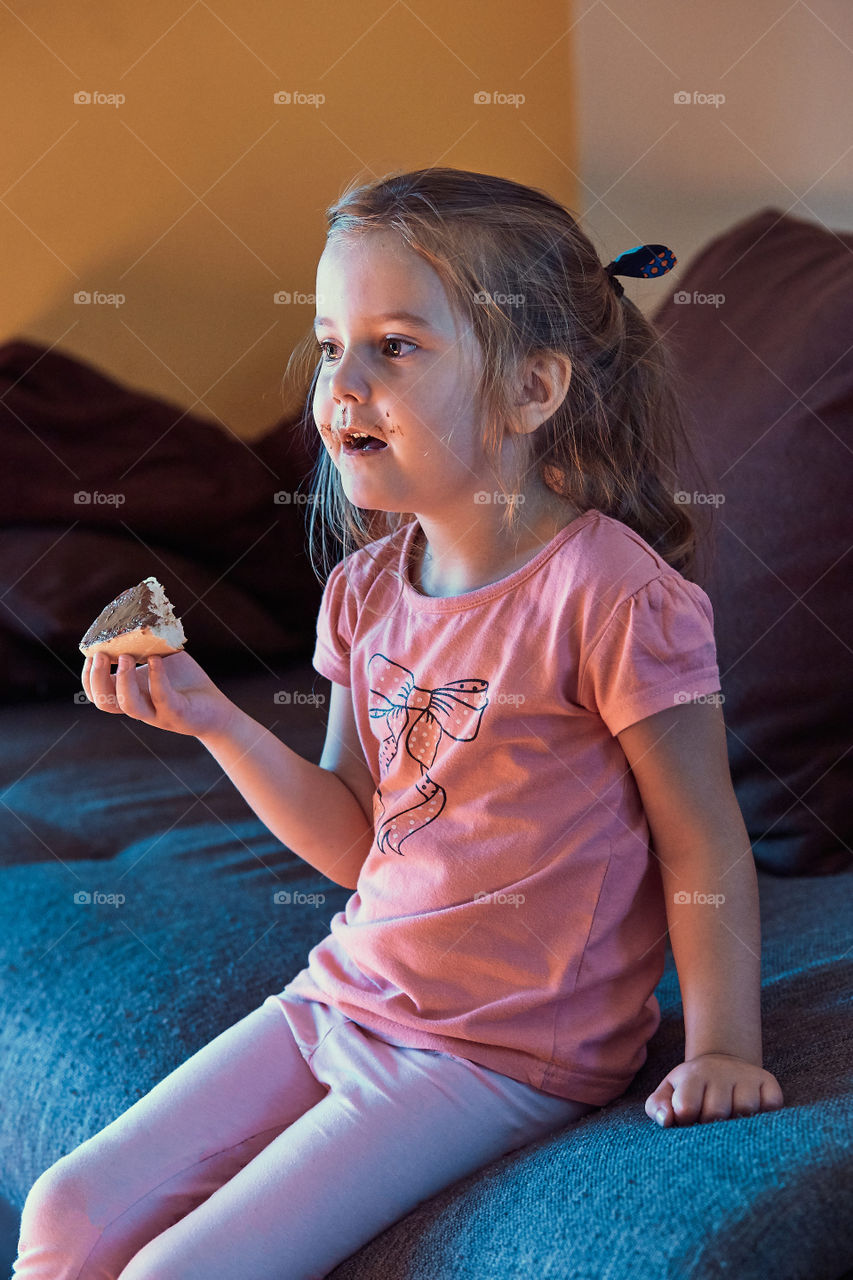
(143, 692)
(126, 688)
(87, 679)
(84, 679)
(687, 1100)
(162, 694)
(130, 696)
(102, 685)
(746, 1100)
(659, 1105)
(157, 676)
(771, 1095)
(692, 1099)
(717, 1102)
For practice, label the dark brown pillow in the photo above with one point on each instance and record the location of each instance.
(761, 326)
(55, 584)
(103, 485)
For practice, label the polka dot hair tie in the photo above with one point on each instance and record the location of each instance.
(643, 262)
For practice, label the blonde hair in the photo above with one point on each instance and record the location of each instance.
(517, 267)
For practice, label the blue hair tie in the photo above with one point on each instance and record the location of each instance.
(643, 263)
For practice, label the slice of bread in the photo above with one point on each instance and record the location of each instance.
(140, 622)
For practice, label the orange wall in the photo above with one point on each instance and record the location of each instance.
(198, 198)
(692, 117)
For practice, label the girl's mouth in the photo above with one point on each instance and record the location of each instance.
(359, 442)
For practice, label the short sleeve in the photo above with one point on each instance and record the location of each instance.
(656, 650)
(334, 628)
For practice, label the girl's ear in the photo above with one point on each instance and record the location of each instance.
(540, 389)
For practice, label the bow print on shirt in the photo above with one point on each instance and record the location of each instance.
(418, 717)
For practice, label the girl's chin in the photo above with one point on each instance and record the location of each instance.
(361, 493)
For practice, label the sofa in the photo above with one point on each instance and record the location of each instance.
(142, 910)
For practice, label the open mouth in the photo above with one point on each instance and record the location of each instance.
(361, 442)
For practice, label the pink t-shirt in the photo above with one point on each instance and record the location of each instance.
(510, 910)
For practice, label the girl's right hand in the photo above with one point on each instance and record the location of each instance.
(171, 692)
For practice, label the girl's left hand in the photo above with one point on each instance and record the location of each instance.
(713, 1086)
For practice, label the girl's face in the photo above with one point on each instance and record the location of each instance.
(408, 381)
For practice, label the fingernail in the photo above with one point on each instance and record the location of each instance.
(660, 1115)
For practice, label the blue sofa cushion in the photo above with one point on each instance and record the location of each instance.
(101, 1001)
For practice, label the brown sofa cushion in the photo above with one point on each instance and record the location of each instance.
(167, 494)
(58, 586)
(769, 386)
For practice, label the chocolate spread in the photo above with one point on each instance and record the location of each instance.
(130, 610)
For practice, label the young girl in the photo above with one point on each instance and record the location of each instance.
(524, 780)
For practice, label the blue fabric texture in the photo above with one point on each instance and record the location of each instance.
(101, 999)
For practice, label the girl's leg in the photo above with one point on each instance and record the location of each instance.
(396, 1126)
(90, 1213)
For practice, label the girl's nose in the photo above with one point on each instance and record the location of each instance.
(349, 377)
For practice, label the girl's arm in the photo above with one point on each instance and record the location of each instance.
(679, 760)
(308, 807)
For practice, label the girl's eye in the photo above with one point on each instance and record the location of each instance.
(400, 342)
(396, 342)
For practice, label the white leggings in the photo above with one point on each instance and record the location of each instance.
(273, 1153)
